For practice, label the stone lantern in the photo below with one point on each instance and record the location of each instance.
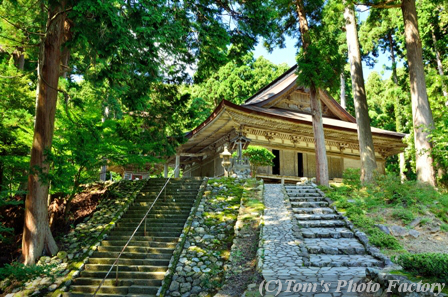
(225, 156)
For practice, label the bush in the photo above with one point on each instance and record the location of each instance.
(427, 264)
(376, 236)
(23, 273)
(383, 240)
(352, 177)
(403, 214)
(258, 156)
(390, 190)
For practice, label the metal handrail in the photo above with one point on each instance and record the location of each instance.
(132, 236)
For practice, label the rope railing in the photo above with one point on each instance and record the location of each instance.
(132, 236)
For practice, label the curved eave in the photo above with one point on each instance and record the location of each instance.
(328, 122)
(218, 110)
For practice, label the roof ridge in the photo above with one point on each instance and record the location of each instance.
(271, 84)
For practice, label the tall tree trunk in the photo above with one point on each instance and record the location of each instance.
(103, 170)
(343, 94)
(401, 157)
(421, 111)
(37, 236)
(366, 149)
(322, 177)
(2, 174)
(392, 58)
(439, 64)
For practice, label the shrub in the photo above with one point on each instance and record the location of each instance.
(23, 273)
(376, 236)
(444, 227)
(258, 156)
(390, 190)
(404, 214)
(383, 240)
(352, 177)
(427, 264)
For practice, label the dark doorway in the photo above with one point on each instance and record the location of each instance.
(300, 164)
(276, 161)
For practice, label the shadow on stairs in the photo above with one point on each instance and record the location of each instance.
(143, 264)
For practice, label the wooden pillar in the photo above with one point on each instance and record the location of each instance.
(165, 170)
(177, 170)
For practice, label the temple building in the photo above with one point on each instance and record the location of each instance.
(278, 117)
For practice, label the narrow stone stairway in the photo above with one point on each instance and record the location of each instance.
(143, 264)
(329, 242)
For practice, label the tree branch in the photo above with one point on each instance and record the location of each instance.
(19, 42)
(59, 13)
(10, 77)
(386, 4)
(20, 28)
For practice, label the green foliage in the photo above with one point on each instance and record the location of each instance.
(382, 240)
(259, 156)
(22, 273)
(405, 215)
(444, 227)
(427, 264)
(390, 190)
(235, 82)
(375, 235)
(405, 201)
(352, 177)
(16, 126)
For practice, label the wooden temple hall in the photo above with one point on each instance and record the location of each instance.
(278, 118)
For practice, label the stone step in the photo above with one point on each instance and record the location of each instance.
(151, 226)
(314, 217)
(124, 274)
(154, 218)
(143, 264)
(150, 232)
(158, 215)
(127, 268)
(139, 243)
(321, 223)
(306, 199)
(121, 282)
(301, 194)
(105, 295)
(186, 193)
(152, 223)
(143, 238)
(330, 246)
(164, 204)
(141, 233)
(181, 209)
(315, 210)
(117, 290)
(309, 204)
(166, 213)
(132, 253)
(344, 261)
(301, 187)
(171, 185)
(326, 233)
(123, 261)
(131, 249)
(166, 197)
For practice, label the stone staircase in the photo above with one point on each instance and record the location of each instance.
(328, 240)
(143, 264)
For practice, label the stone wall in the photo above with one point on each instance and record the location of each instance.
(81, 242)
(201, 266)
